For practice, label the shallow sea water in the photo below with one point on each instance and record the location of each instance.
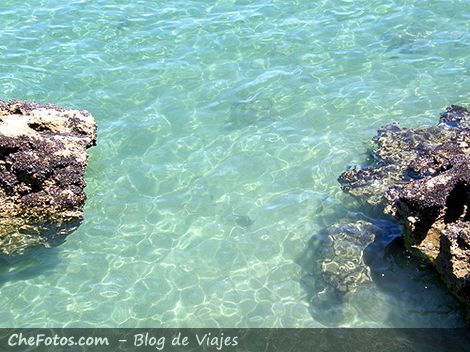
(223, 126)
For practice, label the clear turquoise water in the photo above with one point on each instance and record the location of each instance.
(222, 128)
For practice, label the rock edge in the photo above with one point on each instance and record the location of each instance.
(43, 157)
(422, 178)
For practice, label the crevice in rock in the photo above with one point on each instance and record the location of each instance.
(463, 245)
(457, 202)
(30, 181)
(38, 127)
(5, 152)
(15, 110)
(425, 219)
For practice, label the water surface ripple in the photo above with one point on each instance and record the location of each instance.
(222, 128)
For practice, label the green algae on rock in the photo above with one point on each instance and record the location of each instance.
(422, 178)
(43, 156)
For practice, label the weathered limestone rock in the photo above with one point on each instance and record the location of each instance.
(454, 258)
(42, 162)
(422, 178)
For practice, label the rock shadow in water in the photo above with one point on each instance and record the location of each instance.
(35, 262)
(251, 111)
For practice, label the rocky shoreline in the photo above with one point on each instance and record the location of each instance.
(43, 156)
(421, 177)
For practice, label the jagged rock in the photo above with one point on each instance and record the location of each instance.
(42, 162)
(422, 178)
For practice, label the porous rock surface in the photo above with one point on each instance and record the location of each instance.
(422, 178)
(43, 156)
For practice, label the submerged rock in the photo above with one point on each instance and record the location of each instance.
(422, 178)
(42, 163)
(337, 271)
(340, 261)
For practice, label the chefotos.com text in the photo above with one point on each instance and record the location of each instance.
(18, 339)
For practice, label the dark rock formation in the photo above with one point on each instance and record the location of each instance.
(42, 162)
(422, 178)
